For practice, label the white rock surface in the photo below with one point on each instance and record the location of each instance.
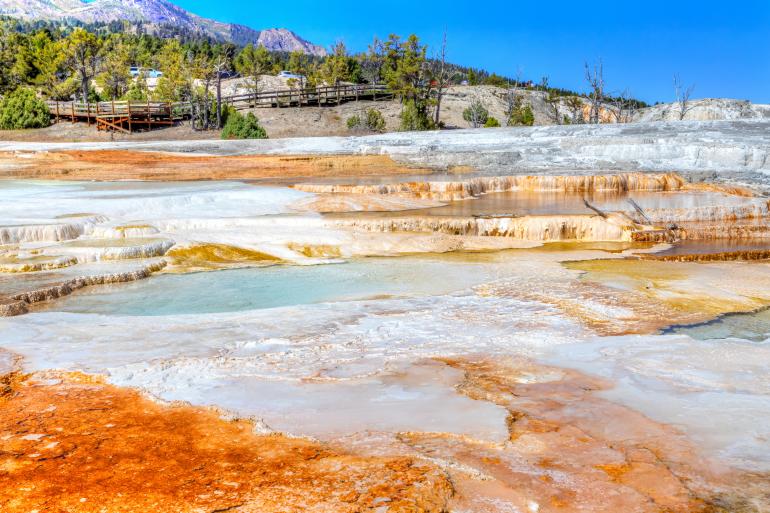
(727, 150)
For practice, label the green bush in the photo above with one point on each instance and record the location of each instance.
(354, 123)
(23, 109)
(414, 116)
(492, 123)
(522, 115)
(243, 127)
(373, 121)
(476, 114)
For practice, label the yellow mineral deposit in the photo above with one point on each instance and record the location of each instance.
(689, 291)
(203, 257)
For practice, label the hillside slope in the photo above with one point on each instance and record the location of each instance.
(709, 109)
(154, 12)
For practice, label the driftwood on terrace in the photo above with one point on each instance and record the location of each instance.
(639, 210)
(600, 212)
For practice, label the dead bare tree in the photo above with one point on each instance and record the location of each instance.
(512, 100)
(372, 62)
(442, 77)
(221, 64)
(552, 103)
(575, 105)
(476, 114)
(682, 97)
(623, 107)
(595, 79)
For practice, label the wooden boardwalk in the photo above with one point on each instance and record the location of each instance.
(127, 116)
(120, 116)
(324, 95)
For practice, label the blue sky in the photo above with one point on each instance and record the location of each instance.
(721, 47)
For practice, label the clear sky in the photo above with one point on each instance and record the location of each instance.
(722, 47)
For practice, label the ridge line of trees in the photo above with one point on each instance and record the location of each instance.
(92, 62)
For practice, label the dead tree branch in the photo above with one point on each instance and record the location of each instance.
(683, 97)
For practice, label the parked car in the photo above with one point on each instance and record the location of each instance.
(135, 71)
(289, 74)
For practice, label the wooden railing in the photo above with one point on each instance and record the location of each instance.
(123, 115)
(121, 108)
(308, 96)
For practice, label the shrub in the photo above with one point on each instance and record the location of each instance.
(354, 123)
(23, 109)
(373, 121)
(476, 114)
(521, 115)
(414, 116)
(495, 80)
(243, 127)
(492, 123)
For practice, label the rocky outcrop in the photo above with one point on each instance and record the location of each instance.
(707, 109)
(284, 40)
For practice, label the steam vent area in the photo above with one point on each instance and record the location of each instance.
(557, 319)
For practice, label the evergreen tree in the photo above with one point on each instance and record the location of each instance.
(81, 53)
(251, 63)
(23, 109)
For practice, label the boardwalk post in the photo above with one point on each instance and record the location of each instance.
(72, 105)
(57, 111)
(128, 105)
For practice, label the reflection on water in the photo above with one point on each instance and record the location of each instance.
(754, 326)
(520, 203)
(704, 247)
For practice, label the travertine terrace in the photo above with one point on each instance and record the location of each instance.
(543, 320)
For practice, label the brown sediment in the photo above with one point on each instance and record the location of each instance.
(735, 229)
(18, 304)
(140, 165)
(211, 256)
(83, 446)
(732, 190)
(723, 256)
(571, 450)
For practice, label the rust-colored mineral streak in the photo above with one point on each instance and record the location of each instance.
(84, 446)
(146, 165)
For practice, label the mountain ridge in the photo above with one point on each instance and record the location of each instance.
(156, 12)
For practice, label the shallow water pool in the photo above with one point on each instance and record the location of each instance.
(281, 285)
